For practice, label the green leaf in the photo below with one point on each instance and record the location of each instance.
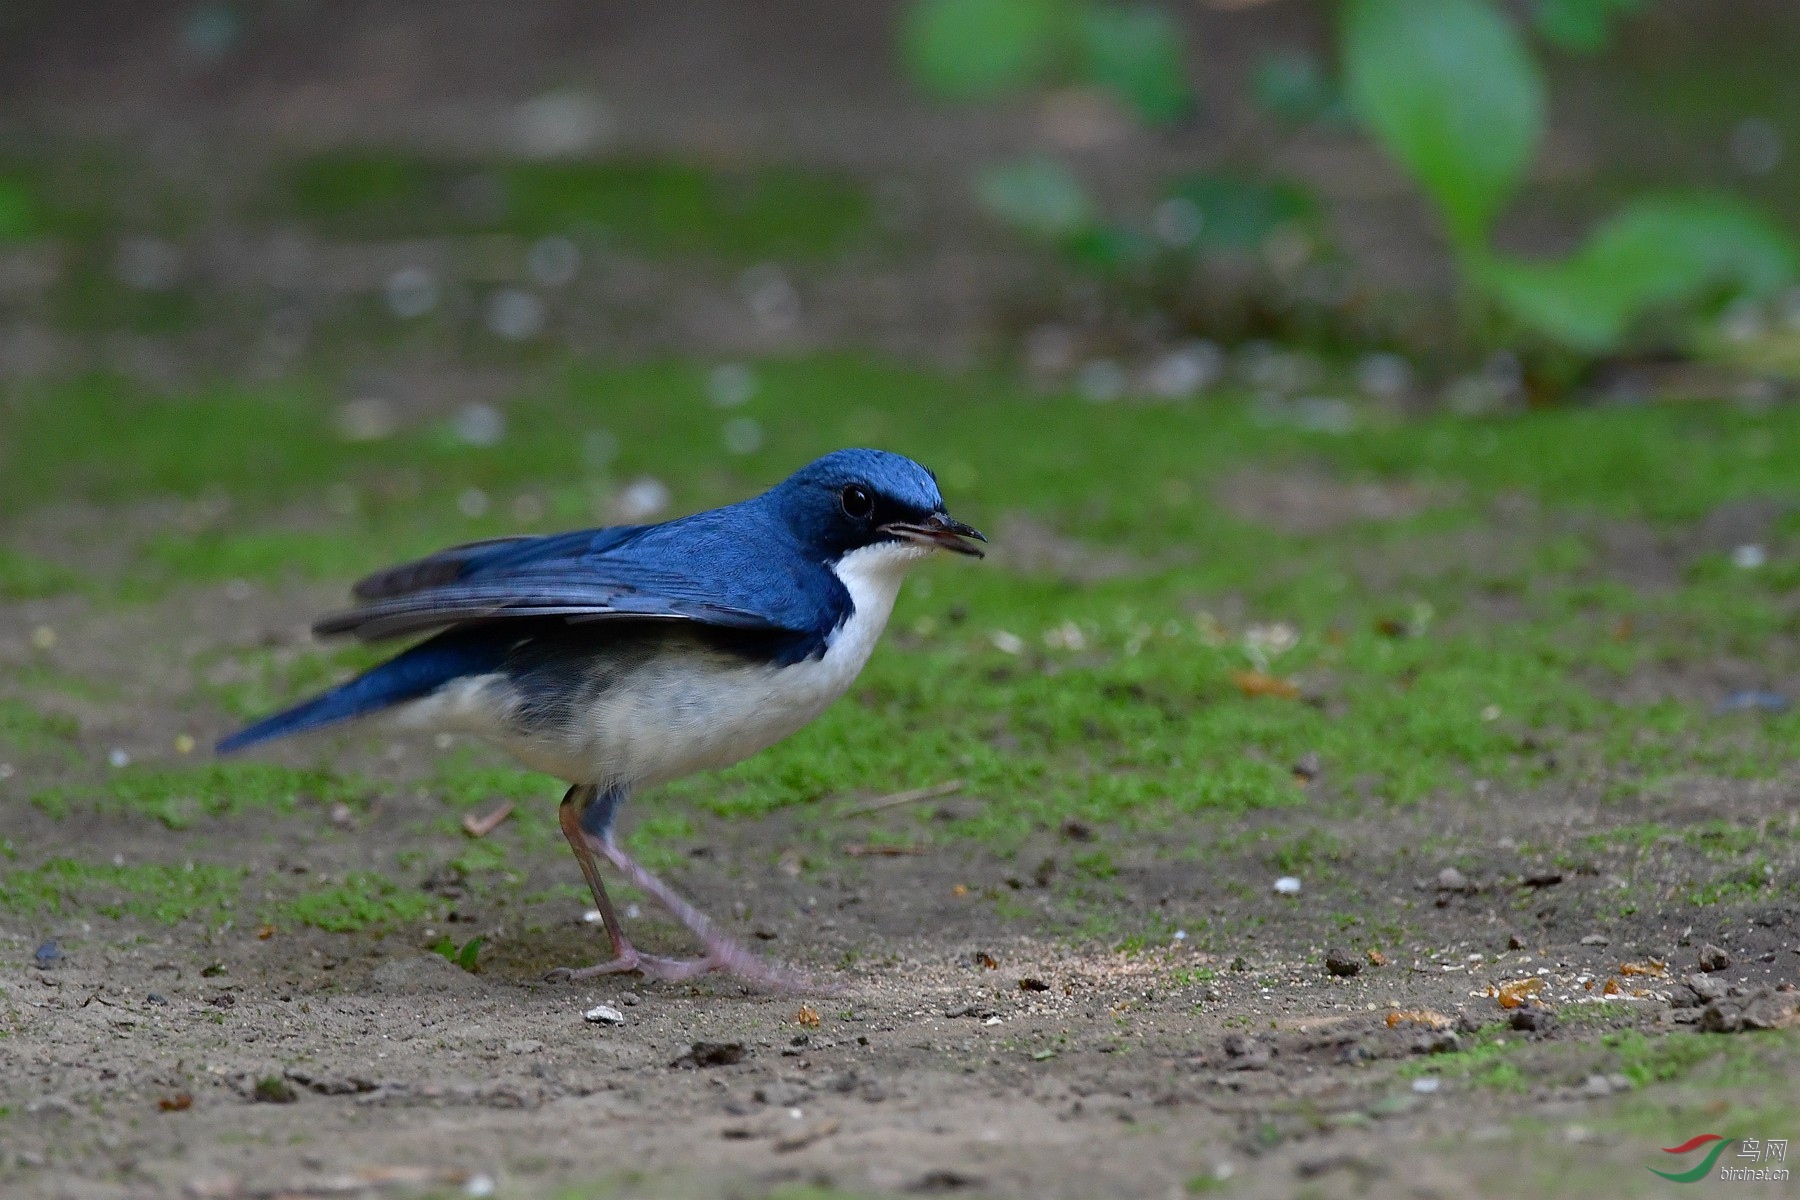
(1135, 52)
(18, 217)
(1112, 249)
(1657, 254)
(1453, 95)
(1237, 213)
(1290, 86)
(963, 50)
(1580, 26)
(468, 957)
(1038, 196)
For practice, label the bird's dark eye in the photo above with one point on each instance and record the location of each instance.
(857, 502)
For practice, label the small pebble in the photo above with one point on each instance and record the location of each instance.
(604, 1014)
(1342, 963)
(1452, 880)
(118, 758)
(1749, 556)
(1287, 885)
(1596, 939)
(1769, 702)
(1427, 1085)
(1712, 958)
(479, 1186)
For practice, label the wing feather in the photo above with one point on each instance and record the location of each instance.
(726, 571)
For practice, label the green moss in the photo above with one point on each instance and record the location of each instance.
(152, 892)
(1727, 1059)
(25, 726)
(659, 840)
(1411, 687)
(363, 901)
(27, 577)
(180, 796)
(253, 683)
(1490, 1062)
(656, 208)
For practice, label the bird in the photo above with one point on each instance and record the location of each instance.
(624, 657)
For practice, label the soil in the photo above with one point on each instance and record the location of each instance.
(976, 1027)
(945, 1047)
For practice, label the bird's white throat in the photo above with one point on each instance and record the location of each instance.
(872, 575)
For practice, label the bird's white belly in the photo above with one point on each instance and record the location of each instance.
(687, 710)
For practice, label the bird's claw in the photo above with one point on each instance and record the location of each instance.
(729, 960)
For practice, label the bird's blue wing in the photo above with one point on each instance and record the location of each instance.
(724, 568)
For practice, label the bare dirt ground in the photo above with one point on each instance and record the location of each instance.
(951, 1045)
(983, 1024)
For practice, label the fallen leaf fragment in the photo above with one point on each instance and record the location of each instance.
(910, 796)
(1260, 683)
(265, 932)
(1429, 1018)
(807, 1016)
(480, 827)
(1377, 959)
(179, 1102)
(1516, 993)
(883, 850)
(1612, 988)
(961, 889)
(1650, 966)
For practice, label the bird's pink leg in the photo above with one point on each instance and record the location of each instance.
(625, 955)
(721, 953)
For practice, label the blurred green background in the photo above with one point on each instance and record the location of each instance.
(1390, 326)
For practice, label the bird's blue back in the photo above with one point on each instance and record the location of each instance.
(758, 571)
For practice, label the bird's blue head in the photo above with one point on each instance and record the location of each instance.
(855, 498)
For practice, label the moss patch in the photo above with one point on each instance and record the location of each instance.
(363, 901)
(179, 797)
(155, 892)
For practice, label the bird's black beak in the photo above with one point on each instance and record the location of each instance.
(941, 531)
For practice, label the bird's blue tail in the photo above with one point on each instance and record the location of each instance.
(415, 673)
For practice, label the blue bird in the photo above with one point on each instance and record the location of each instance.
(626, 657)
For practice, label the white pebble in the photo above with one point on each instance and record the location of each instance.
(642, 499)
(730, 384)
(1287, 885)
(1427, 1085)
(604, 1014)
(1749, 556)
(553, 261)
(479, 1186)
(743, 435)
(411, 292)
(515, 315)
(480, 425)
(118, 758)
